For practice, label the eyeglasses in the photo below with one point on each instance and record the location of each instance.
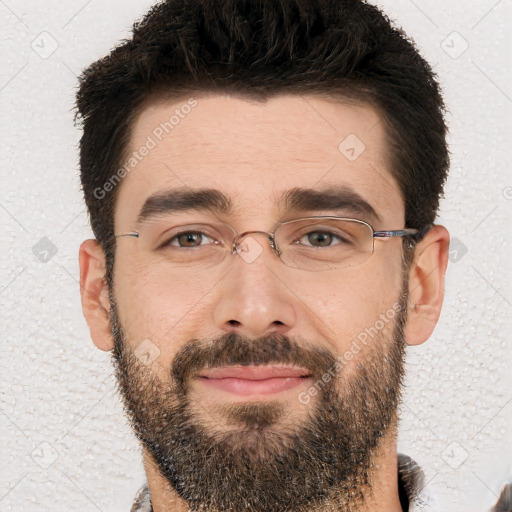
(309, 243)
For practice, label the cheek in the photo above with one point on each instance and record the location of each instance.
(152, 306)
(147, 290)
(356, 300)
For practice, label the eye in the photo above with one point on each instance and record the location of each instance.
(323, 239)
(188, 239)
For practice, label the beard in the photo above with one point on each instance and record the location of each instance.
(258, 457)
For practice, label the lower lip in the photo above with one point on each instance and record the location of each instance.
(246, 387)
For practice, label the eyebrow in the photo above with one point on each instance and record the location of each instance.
(294, 200)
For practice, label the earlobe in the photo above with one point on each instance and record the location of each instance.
(94, 293)
(426, 285)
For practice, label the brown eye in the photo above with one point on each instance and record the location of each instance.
(187, 239)
(323, 239)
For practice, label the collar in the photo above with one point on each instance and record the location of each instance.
(414, 496)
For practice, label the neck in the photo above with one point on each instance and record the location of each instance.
(384, 484)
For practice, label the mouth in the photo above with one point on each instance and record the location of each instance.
(254, 380)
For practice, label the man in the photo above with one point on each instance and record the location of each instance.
(262, 179)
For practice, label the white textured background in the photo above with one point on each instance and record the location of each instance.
(65, 443)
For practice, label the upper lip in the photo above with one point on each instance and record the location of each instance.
(259, 372)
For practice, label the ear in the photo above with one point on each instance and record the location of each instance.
(94, 293)
(426, 285)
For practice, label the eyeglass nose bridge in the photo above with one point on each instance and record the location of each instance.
(270, 237)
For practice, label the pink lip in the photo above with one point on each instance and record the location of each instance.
(254, 372)
(254, 380)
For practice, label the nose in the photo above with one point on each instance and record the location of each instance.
(253, 298)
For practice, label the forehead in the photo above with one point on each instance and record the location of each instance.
(255, 153)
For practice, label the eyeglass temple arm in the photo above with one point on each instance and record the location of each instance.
(416, 234)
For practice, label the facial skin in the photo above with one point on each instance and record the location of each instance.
(207, 448)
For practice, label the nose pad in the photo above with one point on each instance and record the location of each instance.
(249, 249)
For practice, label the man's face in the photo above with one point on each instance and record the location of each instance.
(224, 443)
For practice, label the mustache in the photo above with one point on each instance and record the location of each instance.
(232, 349)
